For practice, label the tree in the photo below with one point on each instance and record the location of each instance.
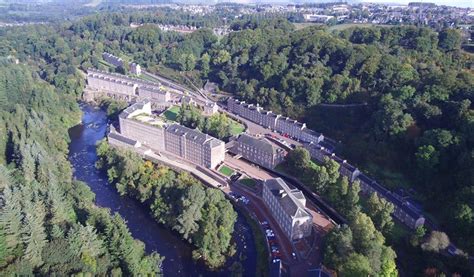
(190, 206)
(427, 157)
(356, 265)
(34, 233)
(222, 57)
(338, 246)
(86, 245)
(11, 219)
(388, 267)
(365, 235)
(449, 39)
(417, 236)
(463, 215)
(204, 64)
(187, 62)
(436, 242)
(299, 158)
(380, 210)
(332, 168)
(391, 118)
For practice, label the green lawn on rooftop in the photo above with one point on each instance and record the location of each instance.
(171, 113)
(226, 171)
(249, 182)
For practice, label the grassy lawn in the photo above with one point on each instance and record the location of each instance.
(175, 75)
(299, 26)
(106, 64)
(226, 171)
(340, 27)
(236, 128)
(171, 113)
(249, 182)
(148, 78)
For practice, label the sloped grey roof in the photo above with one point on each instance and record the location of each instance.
(121, 77)
(288, 200)
(122, 138)
(193, 134)
(260, 143)
(312, 132)
(136, 106)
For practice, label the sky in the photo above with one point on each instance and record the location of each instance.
(456, 3)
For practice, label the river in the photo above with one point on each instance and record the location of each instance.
(178, 260)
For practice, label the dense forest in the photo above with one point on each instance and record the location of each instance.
(199, 214)
(48, 221)
(413, 129)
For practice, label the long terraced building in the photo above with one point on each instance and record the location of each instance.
(101, 83)
(404, 210)
(276, 122)
(139, 124)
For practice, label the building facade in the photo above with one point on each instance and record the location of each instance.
(192, 145)
(403, 210)
(135, 69)
(275, 122)
(137, 123)
(259, 151)
(290, 127)
(288, 208)
(147, 132)
(113, 60)
(210, 108)
(126, 88)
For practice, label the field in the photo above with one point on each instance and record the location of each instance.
(226, 171)
(338, 27)
(148, 78)
(106, 64)
(300, 26)
(236, 127)
(171, 113)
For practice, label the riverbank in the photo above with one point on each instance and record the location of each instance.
(178, 253)
(199, 214)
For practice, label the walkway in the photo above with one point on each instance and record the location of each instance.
(180, 165)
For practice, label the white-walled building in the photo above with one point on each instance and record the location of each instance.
(288, 208)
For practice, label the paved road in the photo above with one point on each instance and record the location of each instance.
(247, 168)
(263, 214)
